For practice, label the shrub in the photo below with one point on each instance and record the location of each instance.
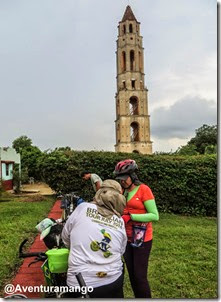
(1, 188)
(181, 184)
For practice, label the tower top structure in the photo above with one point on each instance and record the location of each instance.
(132, 117)
(128, 15)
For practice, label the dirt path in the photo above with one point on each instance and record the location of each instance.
(37, 188)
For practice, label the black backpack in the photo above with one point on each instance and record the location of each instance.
(53, 239)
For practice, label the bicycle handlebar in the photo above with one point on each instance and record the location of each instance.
(70, 194)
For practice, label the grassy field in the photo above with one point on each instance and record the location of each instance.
(183, 261)
(18, 221)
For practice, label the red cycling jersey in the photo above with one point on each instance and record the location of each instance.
(136, 206)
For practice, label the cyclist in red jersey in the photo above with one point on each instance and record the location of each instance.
(138, 215)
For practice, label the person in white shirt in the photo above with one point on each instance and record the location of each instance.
(95, 234)
(96, 181)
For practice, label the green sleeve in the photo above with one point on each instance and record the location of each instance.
(152, 214)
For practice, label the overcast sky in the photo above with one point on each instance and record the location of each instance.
(58, 70)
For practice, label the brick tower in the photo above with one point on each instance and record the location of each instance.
(132, 119)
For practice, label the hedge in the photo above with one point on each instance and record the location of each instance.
(180, 184)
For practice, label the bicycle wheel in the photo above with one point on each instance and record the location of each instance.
(16, 296)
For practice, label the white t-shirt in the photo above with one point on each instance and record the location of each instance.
(95, 178)
(96, 246)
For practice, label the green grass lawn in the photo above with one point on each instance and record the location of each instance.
(18, 221)
(183, 260)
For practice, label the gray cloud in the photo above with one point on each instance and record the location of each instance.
(182, 118)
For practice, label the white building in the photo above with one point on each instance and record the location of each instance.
(8, 158)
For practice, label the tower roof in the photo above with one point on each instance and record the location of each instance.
(128, 15)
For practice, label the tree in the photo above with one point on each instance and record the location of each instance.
(21, 142)
(187, 150)
(30, 156)
(205, 136)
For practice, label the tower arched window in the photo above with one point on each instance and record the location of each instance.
(133, 105)
(132, 60)
(124, 29)
(130, 28)
(134, 132)
(123, 61)
(133, 83)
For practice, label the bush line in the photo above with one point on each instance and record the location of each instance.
(181, 184)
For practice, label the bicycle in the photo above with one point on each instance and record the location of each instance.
(54, 243)
(69, 202)
(53, 279)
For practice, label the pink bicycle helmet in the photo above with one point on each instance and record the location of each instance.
(127, 166)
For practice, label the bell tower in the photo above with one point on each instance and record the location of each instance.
(132, 119)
